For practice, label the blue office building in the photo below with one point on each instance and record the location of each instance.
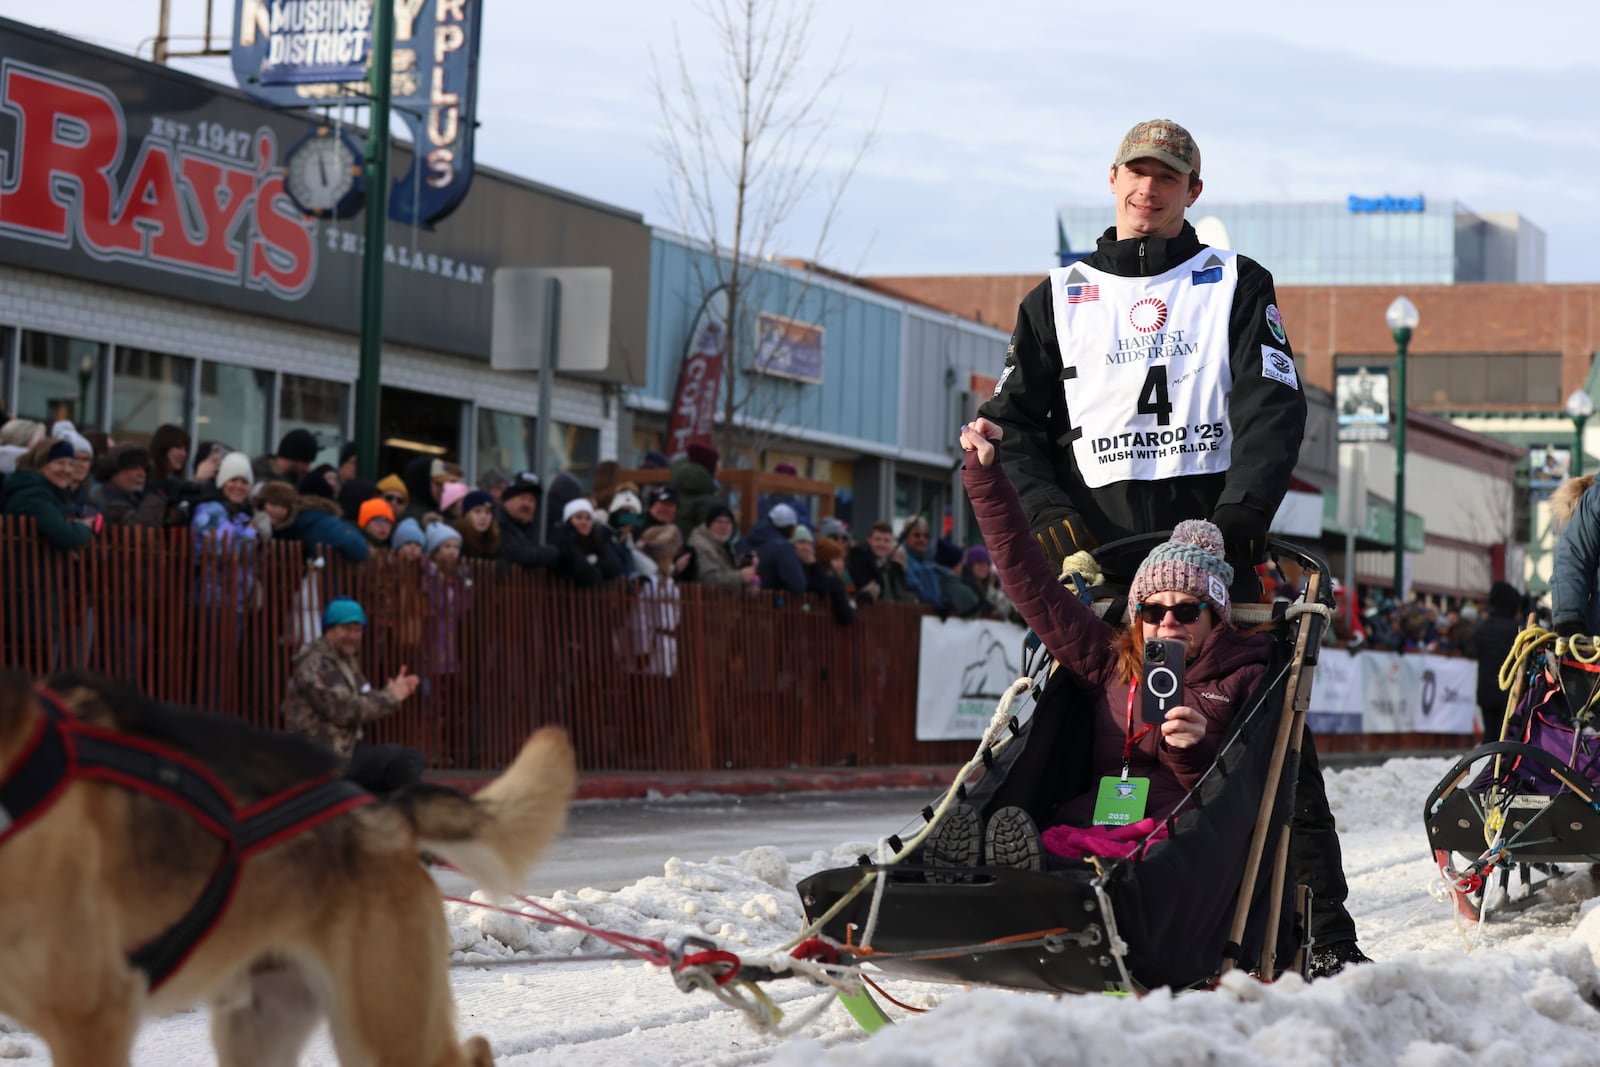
(1360, 240)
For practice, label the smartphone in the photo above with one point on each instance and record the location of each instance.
(1163, 678)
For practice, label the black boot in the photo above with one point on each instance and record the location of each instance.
(1334, 957)
(956, 842)
(1012, 840)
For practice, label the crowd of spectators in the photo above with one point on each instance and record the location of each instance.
(655, 537)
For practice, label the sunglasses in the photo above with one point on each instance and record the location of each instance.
(1185, 613)
(394, 498)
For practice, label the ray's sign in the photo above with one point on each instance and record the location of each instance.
(193, 198)
(302, 53)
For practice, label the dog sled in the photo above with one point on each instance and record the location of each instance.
(1211, 896)
(1528, 802)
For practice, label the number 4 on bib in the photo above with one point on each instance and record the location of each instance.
(1153, 395)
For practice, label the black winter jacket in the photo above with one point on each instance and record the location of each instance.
(519, 543)
(1268, 418)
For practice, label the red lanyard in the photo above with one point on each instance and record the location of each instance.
(1133, 738)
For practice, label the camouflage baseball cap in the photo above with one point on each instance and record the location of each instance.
(1160, 139)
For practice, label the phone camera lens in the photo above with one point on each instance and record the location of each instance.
(1157, 653)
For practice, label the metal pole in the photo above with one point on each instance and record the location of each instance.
(1577, 444)
(547, 363)
(163, 22)
(1402, 338)
(377, 154)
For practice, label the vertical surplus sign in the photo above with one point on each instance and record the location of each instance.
(304, 53)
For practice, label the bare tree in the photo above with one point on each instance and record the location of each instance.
(748, 142)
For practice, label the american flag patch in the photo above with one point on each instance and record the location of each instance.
(1082, 294)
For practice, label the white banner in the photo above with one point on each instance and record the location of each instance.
(1385, 708)
(1385, 693)
(1447, 693)
(1336, 698)
(965, 666)
(963, 670)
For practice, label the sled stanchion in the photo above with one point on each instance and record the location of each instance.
(1269, 949)
(1290, 724)
(1303, 902)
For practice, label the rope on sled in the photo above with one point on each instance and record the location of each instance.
(993, 740)
(806, 955)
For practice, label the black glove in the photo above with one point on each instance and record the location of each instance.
(1062, 537)
(1568, 629)
(1244, 533)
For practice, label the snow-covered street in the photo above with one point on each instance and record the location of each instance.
(1527, 994)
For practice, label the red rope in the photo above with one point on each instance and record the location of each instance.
(714, 956)
(882, 993)
(646, 949)
(656, 952)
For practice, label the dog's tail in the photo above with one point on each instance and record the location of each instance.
(497, 835)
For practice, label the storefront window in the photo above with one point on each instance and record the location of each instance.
(505, 443)
(233, 407)
(59, 378)
(147, 390)
(319, 406)
(801, 462)
(649, 441)
(920, 496)
(575, 449)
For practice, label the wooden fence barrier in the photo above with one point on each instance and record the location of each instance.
(707, 680)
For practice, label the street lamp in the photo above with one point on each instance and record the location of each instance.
(1402, 319)
(1580, 405)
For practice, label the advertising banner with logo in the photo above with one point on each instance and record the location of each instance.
(125, 173)
(1361, 403)
(1383, 692)
(301, 53)
(1447, 693)
(1548, 465)
(694, 405)
(789, 349)
(963, 670)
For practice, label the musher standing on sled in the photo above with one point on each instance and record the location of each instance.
(1151, 383)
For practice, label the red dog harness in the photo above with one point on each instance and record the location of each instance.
(63, 749)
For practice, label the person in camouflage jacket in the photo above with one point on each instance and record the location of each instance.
(331, 702)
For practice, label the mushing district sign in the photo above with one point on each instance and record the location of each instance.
(314, 40)
(302, 53)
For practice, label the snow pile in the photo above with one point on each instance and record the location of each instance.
(1527, 992)
(1424, 1010)
(742, 903)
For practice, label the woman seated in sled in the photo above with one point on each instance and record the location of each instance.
(1180, 593)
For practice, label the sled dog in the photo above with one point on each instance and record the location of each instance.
(333, 919)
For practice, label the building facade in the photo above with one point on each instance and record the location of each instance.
(876, 414)
(152, 270)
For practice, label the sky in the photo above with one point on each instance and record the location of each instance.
(1521, 989)
(988, 117)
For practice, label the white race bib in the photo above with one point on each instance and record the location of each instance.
(1146, 371)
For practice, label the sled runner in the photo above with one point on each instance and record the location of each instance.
(1527, 801)
(1210, 896)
